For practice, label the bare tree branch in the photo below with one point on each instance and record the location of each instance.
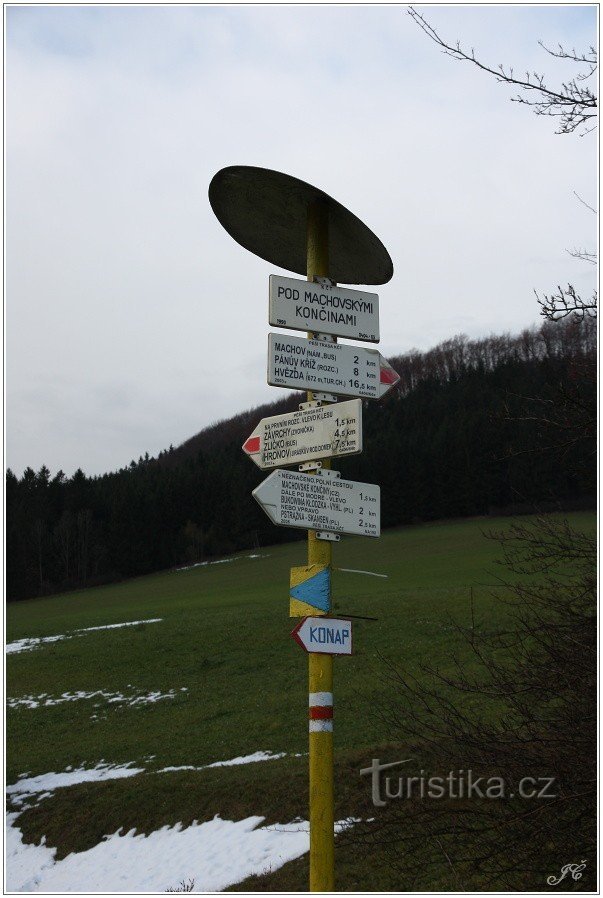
(584, 255)
(584, 203)
(565, 302)
(589, 59)
(527, 703)
(573, 103)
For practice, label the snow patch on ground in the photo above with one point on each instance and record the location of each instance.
(244, 759)
(23, 862)
(189, 567)
(249, 759)
(27, 643)
(23, 645)
(130, 623)
(215, 854)
(45, 784)
(47, 701)
(30, 787)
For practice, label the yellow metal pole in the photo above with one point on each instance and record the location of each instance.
(320, 667)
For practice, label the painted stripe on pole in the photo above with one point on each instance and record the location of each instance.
(320, 698)
(320, 726)
(321, 713)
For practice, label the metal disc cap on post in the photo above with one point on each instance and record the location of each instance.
(266, 212)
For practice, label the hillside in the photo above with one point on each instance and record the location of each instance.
(146, 683)
(460, 436)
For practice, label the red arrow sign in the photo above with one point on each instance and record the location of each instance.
(387, 375)
(333, 367)
(252, 445)
(320, 432)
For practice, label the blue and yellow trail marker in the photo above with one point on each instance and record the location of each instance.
(310, 590)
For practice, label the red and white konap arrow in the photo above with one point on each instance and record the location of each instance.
(324, 635)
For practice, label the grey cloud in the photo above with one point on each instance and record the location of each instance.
(132, 315)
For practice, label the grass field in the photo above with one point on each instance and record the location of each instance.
(238, 684)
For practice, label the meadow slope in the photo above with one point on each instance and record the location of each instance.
(208, 673)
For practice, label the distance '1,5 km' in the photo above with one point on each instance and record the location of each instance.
(321, 501)
(308, 434)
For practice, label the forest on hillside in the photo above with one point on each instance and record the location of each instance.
(474, 427)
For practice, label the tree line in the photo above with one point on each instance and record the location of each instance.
(459, 436)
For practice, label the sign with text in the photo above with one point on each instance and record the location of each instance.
(308, 306)
(328, 367)
(324, 635)
(295, 437)
(321, 501)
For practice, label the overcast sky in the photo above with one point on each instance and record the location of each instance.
(133, 319)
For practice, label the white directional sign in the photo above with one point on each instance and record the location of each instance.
(321, 432)
(324, 635)
(328, 367)
(308, 306)
(321, 501)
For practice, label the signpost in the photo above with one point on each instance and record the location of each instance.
(323, 308)
(325, 635)
(328, 367)
(299, 228)
(320, 432)
(321, 501)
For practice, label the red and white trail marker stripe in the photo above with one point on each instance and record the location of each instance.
(321, 712)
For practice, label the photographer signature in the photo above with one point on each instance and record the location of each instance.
(573, 869)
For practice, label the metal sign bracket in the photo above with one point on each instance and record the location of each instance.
(324, 338)
(303, 406)
(328, 472)
(328, 537)
(311, 466)
(317, 403)
(323, 281)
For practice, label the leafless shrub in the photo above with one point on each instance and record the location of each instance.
(186, 885)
